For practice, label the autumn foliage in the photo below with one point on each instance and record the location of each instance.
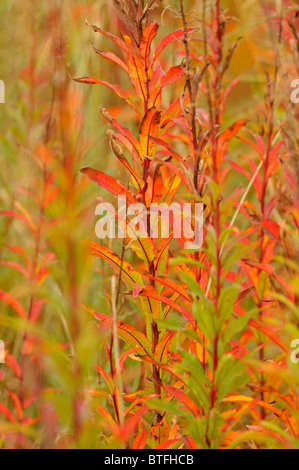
(139, 342)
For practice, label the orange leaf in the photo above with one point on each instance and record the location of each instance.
(173, 74)
(115, 39)
(164, 367)
(174, 286)
(272, 229)
(226, 136)
(184, 399)
(160, 258)
(26, 220)
(166, 444)
(162, 348)
(268, 332)
(140, 440)
(130, 424)
(109, 183)
(149, 127)
(189, 442)
(127, 332)
(261, 266)
(5, 411)
(149, 291)
(160, 430)
(120, 155)
(10, 300)
(112, 57)
(231, 131)
(149, 34)
(128, 274)
(18, 406)
(103, 412)
(107, 378)
(173, 36)
(16, 266)
(12, 363)
(244, 398)
(124, 94)
(174, 110)
(156, 187)
(245, 294)
(138, 75)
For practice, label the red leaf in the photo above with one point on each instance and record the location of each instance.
(109, 183)
(124, 94)
(173, 74)
(18, 405)
(112, 57)
(123, 130)
(174, 286)
(162, 348)
(149, 127)
(140, 440)
(16, 266)
(138, 75)
(102, 373)
(130, 424)
(149, 291)
(115, 39)
(149, 34)
(244, 294)
(184, 399)
(268, 332)
(231, 131)
(261, 266)
(239, 168)
(128, 274)
(127, 332)
(12, 363)
(174, 111)
(189, 442)
(5, 411)
(166, 444)
(10, 300)
(105, 414)
(161, 254)
(272, 229)
(17, 215)
(226, 136)
(164, 367)
(174, 36)
(136, 290)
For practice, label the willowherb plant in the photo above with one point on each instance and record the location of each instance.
(176, 346)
